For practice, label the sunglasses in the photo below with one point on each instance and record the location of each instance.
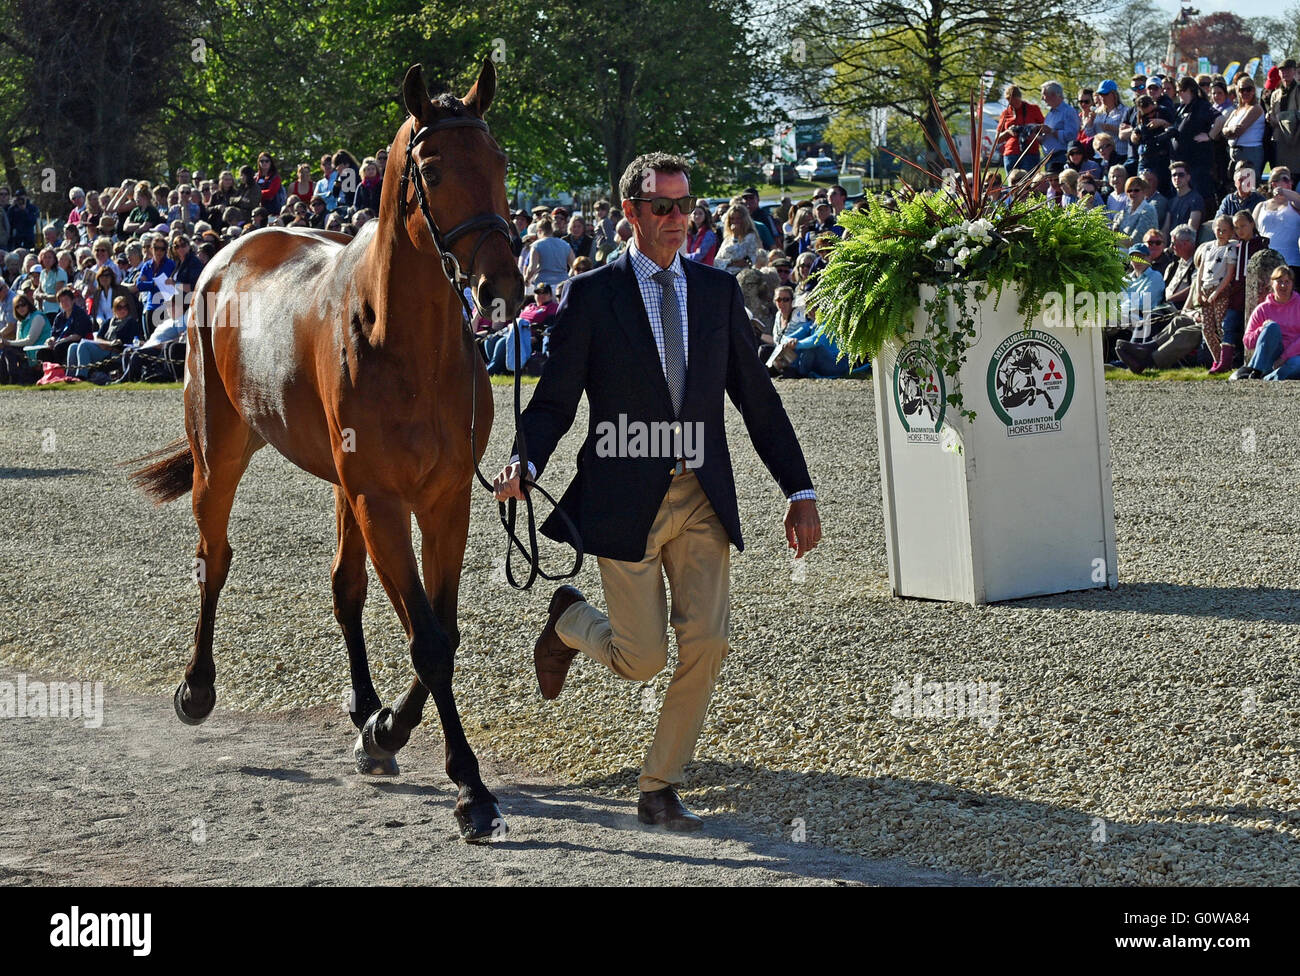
(662, 206)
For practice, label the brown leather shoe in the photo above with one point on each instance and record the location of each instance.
(551, 656)
(663, 808)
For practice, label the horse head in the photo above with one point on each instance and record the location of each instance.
(452, 199)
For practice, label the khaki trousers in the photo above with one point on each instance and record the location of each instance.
(687, 541)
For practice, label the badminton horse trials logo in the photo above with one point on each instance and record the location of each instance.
(920, 396)
(1030, 382)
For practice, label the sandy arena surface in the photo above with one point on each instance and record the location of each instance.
(1144, 735)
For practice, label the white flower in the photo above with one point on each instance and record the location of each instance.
(963, 256)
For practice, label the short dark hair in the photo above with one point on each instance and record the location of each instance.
(65, 290)
(629, 185)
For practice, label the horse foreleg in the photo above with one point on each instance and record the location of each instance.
(348, 583)
(386, 526)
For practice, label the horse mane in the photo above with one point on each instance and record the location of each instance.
(450, 104)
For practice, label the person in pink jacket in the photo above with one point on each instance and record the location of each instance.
(1274, 332)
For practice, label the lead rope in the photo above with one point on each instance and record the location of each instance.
(506, 511)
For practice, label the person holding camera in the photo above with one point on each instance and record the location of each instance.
(1016, 128)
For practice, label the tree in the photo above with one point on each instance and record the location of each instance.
(1222, 37)
(1137, 31)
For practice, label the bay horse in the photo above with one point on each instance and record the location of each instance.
(351, 357)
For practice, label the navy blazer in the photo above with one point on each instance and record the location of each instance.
(601, 343)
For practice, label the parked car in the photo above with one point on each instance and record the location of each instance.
(818, 168)
(779, 172)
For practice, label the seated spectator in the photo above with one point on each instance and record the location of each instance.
(826, 223)
(304, 187)
(1159, 257)
(1273, 334)
(1116, 198)
(319, 212)
(815, 356)
(580, 266)
(1187, 206)
(51, 279)
(1181, 336)
(69, 327)
(99, 303)
(701, 241)
(1144, 289)
(1278, 217)
(1079, 158)
(32, 329)
(145, 215)
(1245, 197)
(154, 283)
(121, 330)
(1103, 145)
(1139, 216)
(531, 325)
(739, 244)
(1157, 199)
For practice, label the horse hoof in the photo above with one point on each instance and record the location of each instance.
(367, 744)
(481, 822)
(369, 766)
(188, 710)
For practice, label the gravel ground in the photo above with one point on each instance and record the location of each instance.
(1144, 735)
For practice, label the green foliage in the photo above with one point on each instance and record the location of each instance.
(870, 290)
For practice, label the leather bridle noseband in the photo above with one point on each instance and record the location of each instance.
(486, 224)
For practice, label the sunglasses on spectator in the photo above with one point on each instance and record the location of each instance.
(784, 298)
(1280, 179)
(662, 206)
(1085, 102)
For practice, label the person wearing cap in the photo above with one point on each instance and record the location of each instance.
(768, 232)
(1014, 135)
(1181, 337)
(1143, 290)
(825, 216)
(1149, 138)
(1107, 118)
(1284, 118)
(1159, 89)
(1079, 156)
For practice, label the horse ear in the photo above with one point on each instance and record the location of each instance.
(414, 95)
(481, 94)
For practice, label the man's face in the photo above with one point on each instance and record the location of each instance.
(838, 198)
(65, 303)
(327, 164)
(1051, 98)
(1184, 247)
(660, 233)
(1245, 181)
(751, 201)
(1288, 75)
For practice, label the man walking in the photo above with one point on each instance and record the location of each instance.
(654, 341)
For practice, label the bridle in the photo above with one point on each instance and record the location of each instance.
(486, 224)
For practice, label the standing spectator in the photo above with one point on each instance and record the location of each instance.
(1278, 217)
(1244, 128)
(1060, 126)
(23, 218)
(739, 244)
(1107, 118)
(578, 238)
(1161, 93)
(622, 236)
(268, 184)
(371, 187)
(4, 218)
(1192, 136)
(1086, 107)
(1274, 332)
(1284, 117)
(701, 241)
(304, 186)
(1187, 205)
(326, 184)
(603, 231)
(1234, 316)
(77, 197)
(1150, 137)
(145, 215)
(1216, 262)
(824, 224)
(1015, 132)
(763, 223)
(345, 187)
(550, 258)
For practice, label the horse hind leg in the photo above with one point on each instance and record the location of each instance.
(217, 471)
(348, 582)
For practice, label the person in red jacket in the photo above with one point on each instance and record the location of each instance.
(1017, 153)
(268, 182)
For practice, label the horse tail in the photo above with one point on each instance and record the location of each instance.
(168, 472)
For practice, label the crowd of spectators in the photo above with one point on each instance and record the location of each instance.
(1196, 174)
(100, 293)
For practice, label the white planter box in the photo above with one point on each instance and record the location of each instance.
(1017, 503)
